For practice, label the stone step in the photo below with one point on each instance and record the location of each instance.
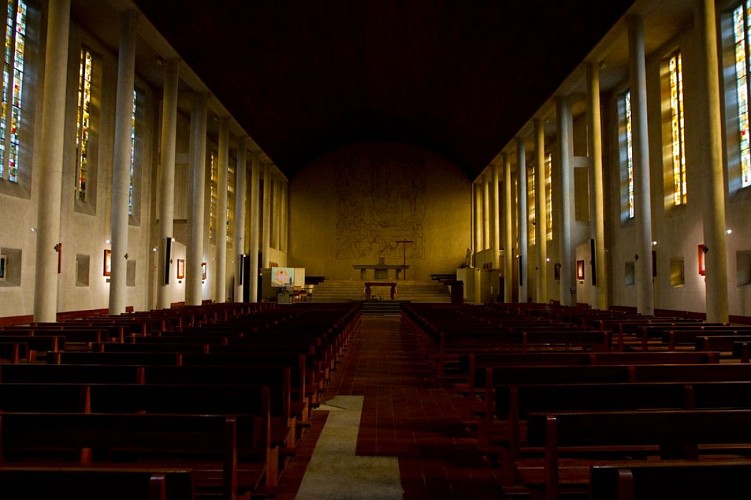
(349, 290)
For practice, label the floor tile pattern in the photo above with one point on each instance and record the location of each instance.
(406, 413)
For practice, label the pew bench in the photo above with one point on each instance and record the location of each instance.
(563, 374)
(450, 348)
(721, 343)
(562, 446)
(291, 378)
(96, 483)
(686, 338)
(35, 345)
(276, 430)
(219, 449)
(13, 352)
(46, 373)
(651, 480)
(475, 365)
(511, 405)
(651, 335)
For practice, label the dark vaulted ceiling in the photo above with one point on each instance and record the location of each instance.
(304, 77)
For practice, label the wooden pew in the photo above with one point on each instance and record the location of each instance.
(290, 378)
(114, 358)
(12, 352)
(510, 404)
(211, 445)
(95, 483)
(651, 480)
(563, 445)
(513, 404)
(80, 335)
(451, 348)
(742, 350)
(246, 401)
(43, 397)
(173, 347)
(308, 373)
(652, 334)
(687, 337)
(477, 363)
(34, 344)
(722, 343)
(234, 399)
(563, 374)
(44, 373)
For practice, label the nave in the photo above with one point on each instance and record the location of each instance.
(406, 414)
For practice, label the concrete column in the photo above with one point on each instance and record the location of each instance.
(478, 218)
(196, 203)
(51, 164)
(541, 214)
(266, 227)
(485, 211)
(597, 207)
(167, 180)
(521, 169)
(640, 148)
(495, 221)
(508, 234)
(221, 212)
(126, 65)
(240, 198)
(255, 224)
(713, 178)
(567, 251)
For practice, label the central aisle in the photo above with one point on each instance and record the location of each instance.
(407, 414)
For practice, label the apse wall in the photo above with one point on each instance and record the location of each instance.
(352, 205)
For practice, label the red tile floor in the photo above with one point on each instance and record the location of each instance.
(407, 413)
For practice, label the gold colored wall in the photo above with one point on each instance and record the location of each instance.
(352, 205)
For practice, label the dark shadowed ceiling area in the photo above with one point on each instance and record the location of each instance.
(458, 77)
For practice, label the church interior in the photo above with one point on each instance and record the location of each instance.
(419, 235)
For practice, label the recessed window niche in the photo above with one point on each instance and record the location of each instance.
(130, 277)
(677, 272)
(11, 272)
(82, 269)
(743, 268)
(630, 274)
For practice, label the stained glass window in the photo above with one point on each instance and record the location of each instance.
(531, 204)
(83, 123)
(12, 90)
(213, 198)
(742, 39)
(675, 69)
(549, 196)
(132, 151)
(626, 150)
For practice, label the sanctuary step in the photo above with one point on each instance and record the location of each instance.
(382, 307)
(354, 290)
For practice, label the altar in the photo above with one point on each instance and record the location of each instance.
(381, 271)
(369, 292)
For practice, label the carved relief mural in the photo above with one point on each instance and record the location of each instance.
(380, 202)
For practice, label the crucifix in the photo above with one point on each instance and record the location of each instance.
(404, 247)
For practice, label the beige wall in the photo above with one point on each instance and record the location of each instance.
(352, 205)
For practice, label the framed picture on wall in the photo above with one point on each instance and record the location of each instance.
(180, 269)
(580, 270)
(203, 271)
(3, 267)
(107, 262)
